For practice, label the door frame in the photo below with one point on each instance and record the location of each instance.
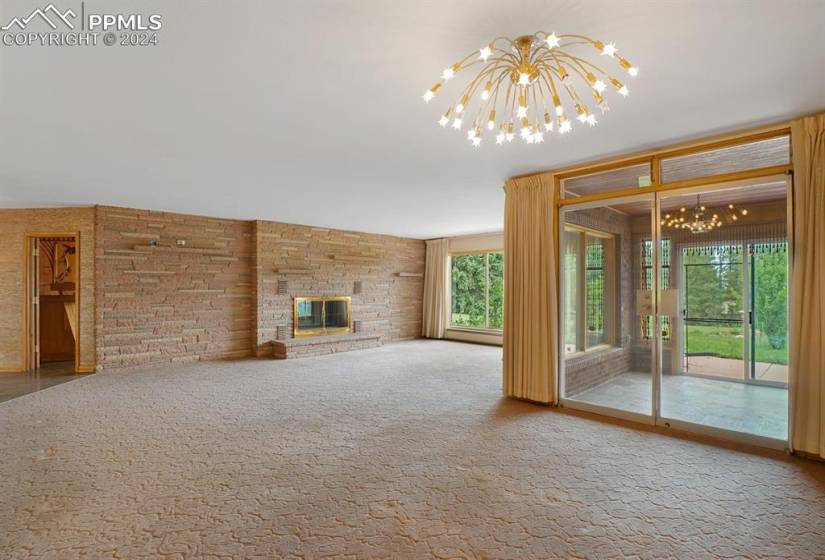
(29, 240)
(655, 418)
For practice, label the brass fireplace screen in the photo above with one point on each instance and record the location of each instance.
(318, 316)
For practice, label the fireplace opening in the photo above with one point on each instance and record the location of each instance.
(318, 316)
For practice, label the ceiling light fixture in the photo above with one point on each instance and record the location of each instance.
(526, 80)
(702, 220)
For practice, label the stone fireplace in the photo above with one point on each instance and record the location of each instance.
(322, 316)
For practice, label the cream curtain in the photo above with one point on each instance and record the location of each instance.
(530, 303)
(436, 288)
(807, 352)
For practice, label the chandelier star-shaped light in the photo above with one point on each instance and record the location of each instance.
(526, 84)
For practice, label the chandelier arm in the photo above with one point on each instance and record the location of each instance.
(536, 104)
(574, 66)
(497, 87)
(470, 89)
(511, 101)
(492, 44)
(581, 37)
(547, 77)
(510, 57)
(582, 62)
(570, 90)
(490, 103)
(581, 74)
(568, 44)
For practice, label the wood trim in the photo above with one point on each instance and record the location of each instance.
(603, 168)
(27, 237)
(12, 369)
(591, 231)
(670, 150)
(698, 181)
(476, 252)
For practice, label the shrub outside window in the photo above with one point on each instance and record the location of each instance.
(477, 290)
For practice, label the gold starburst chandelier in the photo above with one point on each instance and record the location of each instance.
(702, 220)
(528, 84)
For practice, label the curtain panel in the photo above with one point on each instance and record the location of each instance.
(530, 300)
(807, 313)
(436, 288)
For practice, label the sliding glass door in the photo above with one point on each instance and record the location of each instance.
(727, 365)
(673, 308)
(606, 315)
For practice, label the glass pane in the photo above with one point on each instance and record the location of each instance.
(769, 336)
(714, 310)
(608, 363)
(765, 153)
(468, 298)
(310, 314)
(496, 290)
(595, 290)
(336, 314)
(716, 369)
(615, 179)
(570, 266)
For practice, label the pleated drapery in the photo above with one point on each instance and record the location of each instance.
(530, 301)
(436, 289)
(807, 313)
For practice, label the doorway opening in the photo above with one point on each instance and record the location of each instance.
(52, 303)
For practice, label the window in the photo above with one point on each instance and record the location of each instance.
(589, 287)
(477, 290)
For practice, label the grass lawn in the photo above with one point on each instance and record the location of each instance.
(726, 342)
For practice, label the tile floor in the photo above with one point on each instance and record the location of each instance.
(17, 384)
(729, 405)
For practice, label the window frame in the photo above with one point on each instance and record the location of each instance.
(610, 264)
(486, 328)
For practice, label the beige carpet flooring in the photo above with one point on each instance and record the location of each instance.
(406, 451)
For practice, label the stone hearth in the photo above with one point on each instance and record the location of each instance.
(322, 345)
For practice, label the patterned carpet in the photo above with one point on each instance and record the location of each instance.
(406, 451)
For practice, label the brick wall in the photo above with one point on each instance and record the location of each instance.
(14, 224)
(318, 261)
(170, 303)
(214, 298)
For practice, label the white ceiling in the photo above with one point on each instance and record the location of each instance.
(311, 112)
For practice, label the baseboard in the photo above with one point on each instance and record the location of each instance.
(810, 456)
(86, 368)
(11, 369)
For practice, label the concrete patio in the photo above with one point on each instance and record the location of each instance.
(732, 368)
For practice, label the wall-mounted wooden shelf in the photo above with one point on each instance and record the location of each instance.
(293, 270)
(354, 258)
(182, 250)
(410, 274)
